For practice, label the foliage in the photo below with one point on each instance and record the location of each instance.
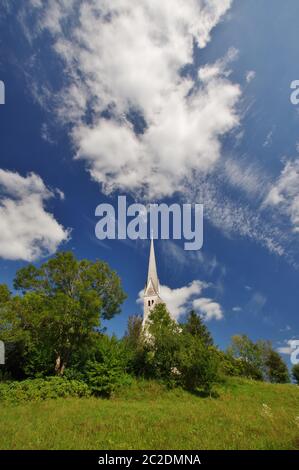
(196, 327)
(277, 370)
(295, 373)
(149, 416)
(248, 355)
(255, 360)
(106, 371)
(41, 389)
(180, 354)
(197, 363)
(162, 343)
(60, 305)
(135, 347)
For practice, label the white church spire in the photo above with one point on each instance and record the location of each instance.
(152, 269)
(152, 289)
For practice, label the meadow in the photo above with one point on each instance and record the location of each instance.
(245, 415)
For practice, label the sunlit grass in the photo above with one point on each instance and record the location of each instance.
(246, 415)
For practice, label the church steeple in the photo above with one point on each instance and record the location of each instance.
(152, 269)
(151, 294)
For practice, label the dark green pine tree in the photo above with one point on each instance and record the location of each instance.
(277, 369)
(196, 327)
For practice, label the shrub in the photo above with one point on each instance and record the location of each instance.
(42, 389)
(107, 369)
(198, 364)
(295, 373)
(162, 343)
(104, 378)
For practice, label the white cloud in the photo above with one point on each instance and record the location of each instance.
(179, 301)
(237, 309)
(284, 194)
(269, 138)
(126, 56)
(208, 308)
(232, 216)
(27, 230)
(248, 177)
(250, 75)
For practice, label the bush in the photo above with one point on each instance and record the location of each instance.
(295, 373)
(198, 364)
(42, 389)
(107, 370)
(104, 378)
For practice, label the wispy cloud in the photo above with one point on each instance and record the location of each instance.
(250, 75)
(284, 193)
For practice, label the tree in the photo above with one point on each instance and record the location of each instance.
(295, 373)
(162, 344)
(198, 363)
(60, 306)
(133, 332)
(135, 346)
(196, 327)
(106, 370)
(277, 370)
(249, 356)
(176, 355)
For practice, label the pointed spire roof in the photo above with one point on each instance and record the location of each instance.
(152, 276)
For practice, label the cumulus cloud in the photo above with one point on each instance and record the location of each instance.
(284, 194)
(182, 299)
(27, 230)
(143, 118)
(208, 308)
(125, 58)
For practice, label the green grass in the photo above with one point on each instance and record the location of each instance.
(246, 415)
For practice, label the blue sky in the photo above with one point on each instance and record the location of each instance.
(180, 102)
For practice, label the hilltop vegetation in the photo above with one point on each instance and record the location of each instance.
(146, 415)
(169, 386)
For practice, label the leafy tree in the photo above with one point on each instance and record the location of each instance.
(249, 356)
(107, 369)
(162, 344)
(135, 346)
(197, 363)
(133, 332)
(295, 373)
(60, 306)
(277, 369)
(176, 355)
(196, 327)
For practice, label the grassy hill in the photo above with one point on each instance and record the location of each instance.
(246, 415)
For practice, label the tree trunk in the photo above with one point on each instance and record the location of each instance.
(59, 366)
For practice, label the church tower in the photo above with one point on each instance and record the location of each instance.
(151, 295)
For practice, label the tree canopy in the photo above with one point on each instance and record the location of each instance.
(59, 306)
